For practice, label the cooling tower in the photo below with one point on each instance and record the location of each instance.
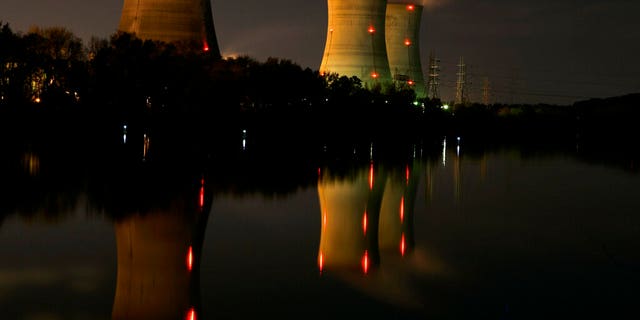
(171, 21)
(355, 43)
(403, 47)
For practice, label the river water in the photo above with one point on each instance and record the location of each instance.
(441, 230)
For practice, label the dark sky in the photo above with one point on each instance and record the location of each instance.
(554, 51)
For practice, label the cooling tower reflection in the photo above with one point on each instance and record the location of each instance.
(367, 234)
(158, 254)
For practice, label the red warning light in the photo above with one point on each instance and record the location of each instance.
(410, 82)
(407, 42)
(206, 47)
(403, 245)
(410, 7)
(372, 30)
(374, 75)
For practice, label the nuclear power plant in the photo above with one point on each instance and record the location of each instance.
(188, 21)
(355, 43)
(403, 46)
(374, 41)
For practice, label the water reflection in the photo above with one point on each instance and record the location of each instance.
(158, 254)
(392, 235)
(367, 236)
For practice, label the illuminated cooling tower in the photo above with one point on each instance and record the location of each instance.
(171, 21)
(403, 47)
(355, 43)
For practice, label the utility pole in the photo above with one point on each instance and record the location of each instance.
(461, 90)
(486, 91)
(433, 91)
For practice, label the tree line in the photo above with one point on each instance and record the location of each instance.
(126, 77)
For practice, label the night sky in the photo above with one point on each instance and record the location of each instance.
(531, 51)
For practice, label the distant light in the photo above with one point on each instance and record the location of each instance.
(444, 152)
(331, 30)
(374, 75)
(372, 29)
(371, 152)
(416, 103)
(407, 42)
(410, 7)
(37, 100)
(206, 47)
(410, 82)
(445, 107)
(403, 245)
(321, 261)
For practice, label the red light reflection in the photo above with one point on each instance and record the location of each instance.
(190, 259)
(202, 194)
(371, 177)
(402, 209)
(365, 262)
(191, 314)
(364, 223)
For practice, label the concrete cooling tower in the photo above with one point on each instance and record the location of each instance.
(171, 21)
(355, 44)
(403, 47)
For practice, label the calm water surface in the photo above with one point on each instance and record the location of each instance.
(440, 234)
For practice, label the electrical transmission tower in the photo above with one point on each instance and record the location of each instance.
(461, 85)
(486, 91)
(433, 91)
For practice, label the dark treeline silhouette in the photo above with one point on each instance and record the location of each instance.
(186, 98)
(128, 78)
